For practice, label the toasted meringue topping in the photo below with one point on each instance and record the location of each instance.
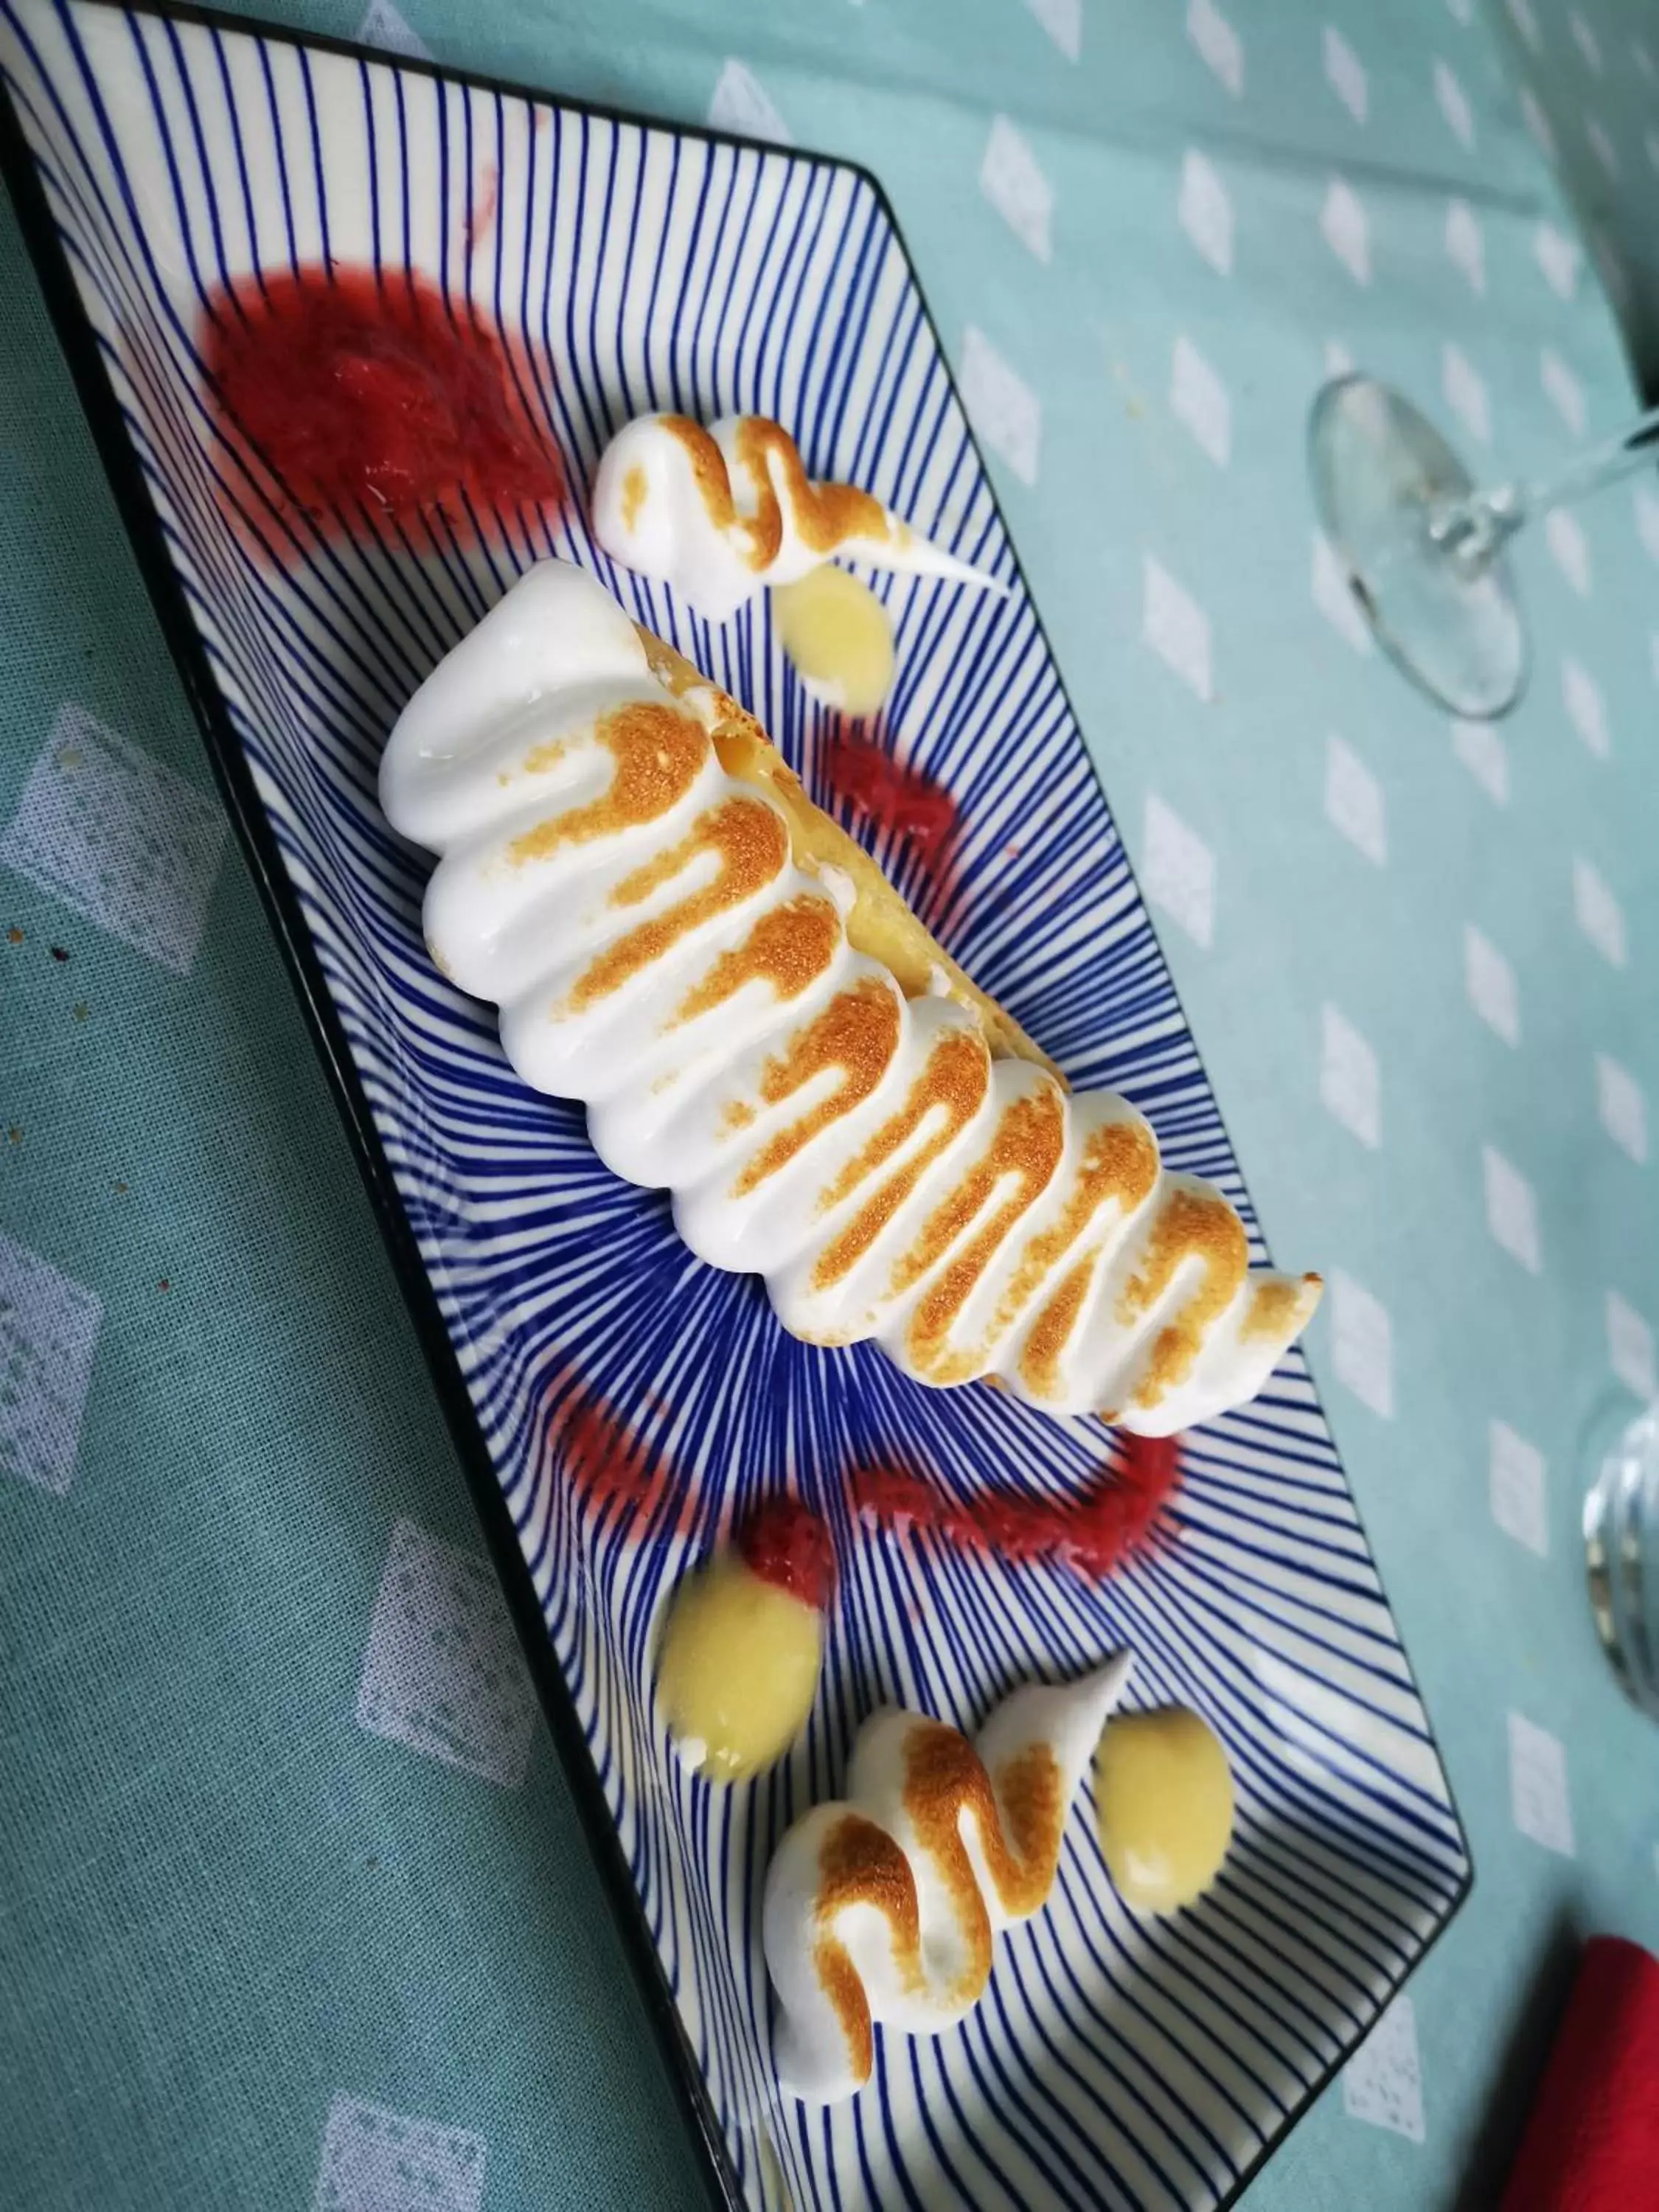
(719, 513)
(883, 1907)
(638, 914)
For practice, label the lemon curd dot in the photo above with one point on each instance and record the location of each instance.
(738, 1669)
(1164, 1800)
(838, 634)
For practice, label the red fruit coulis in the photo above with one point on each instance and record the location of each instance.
(613, 1472)
(636, 1491)
(787, 1543)
(888, 795)
(1094, 1534)
(369, 390)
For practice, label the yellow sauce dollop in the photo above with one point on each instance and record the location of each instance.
(738, 1669)
(1165, 1798)
(837, 633)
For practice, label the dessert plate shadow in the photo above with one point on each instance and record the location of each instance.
(626, 264)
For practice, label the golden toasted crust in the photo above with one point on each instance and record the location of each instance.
(879, 924)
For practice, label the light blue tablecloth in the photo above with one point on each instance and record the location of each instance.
(294, 1908)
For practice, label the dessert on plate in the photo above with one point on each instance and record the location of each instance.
(755, 1021)
(718, 513)
(744, 1643)
(881, 1907)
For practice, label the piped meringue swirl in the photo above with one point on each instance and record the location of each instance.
(657, 952)
(882, 1906)
(718, 513)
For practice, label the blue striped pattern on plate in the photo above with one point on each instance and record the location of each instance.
(1114, 2061)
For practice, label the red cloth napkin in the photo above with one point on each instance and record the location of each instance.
(1592, 2144)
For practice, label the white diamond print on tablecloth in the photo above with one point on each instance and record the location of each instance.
(48, 1334)
(1515, 1488)
(1466, 243)
(1353, 801)
(1525, 21)
(1454, 103)
(1176, 626)
(1642, 55)
(1217, 40)
(1461, 12)
(1480, 749)
(1558, 257)
(1206, 213)
(1349, 1084)
(1630, 1348)
(1586, 41)
(1342, 225)
(1177, 871)
(1599, 914)
(1650, 146)
(1622, 1106)
(1537, 122)
(1346, 74)
(375, 2161)
(383, 27)
(1339, 361)
(1564, 390)
(1333, 597)
(1382, 2082)
(1015, 187)
(1582, 696)
(1611, 269)
(1063, 20)
(443, 1673)
(120, 838)
(1198, 399)
(1511, 1209)
(1490, 982)
(1601, 145)
(741, 103)
(1647, 523)
(1569, 548)
(1465, 394)
(1361, 1344)
(1538, 1786)
(1002, 407)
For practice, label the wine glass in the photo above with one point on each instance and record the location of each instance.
(1423, 547)
(1621, 1554)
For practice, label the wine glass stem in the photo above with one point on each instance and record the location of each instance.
(1471, 531)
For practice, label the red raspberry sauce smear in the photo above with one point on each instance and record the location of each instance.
(889, 795)
(369, 395)
(787, 1543)
(1094, 1534)
(630, 1488)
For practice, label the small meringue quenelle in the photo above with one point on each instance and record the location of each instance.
(882, 1906)
(718, 513)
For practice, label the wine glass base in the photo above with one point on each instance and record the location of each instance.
(1380, 469)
